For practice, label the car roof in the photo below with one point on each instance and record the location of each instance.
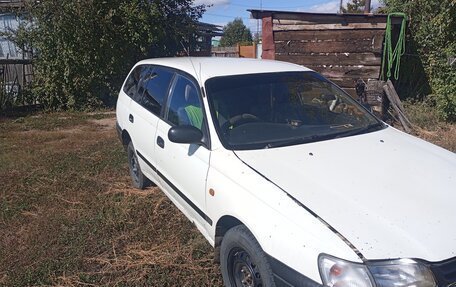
(203, 68)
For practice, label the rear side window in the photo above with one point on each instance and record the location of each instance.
(156, 85)
(131, 86)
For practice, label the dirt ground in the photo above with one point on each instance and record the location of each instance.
(69, 217)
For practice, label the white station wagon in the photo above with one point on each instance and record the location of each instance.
(292, 181)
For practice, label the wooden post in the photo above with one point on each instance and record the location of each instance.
(396, 97)
(268, 38)
(397, 106)
(367, 7)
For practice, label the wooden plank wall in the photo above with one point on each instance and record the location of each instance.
(238, 51)
(248, 51)
(11, 5)
(341, 49)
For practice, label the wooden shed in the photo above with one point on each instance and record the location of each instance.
(11, 4)
(342, 47)
(16, 71)
(202, 42)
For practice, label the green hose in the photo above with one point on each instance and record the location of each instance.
(393, 56)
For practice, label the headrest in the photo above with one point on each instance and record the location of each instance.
(190, 95)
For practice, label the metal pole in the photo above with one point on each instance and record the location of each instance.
(367, 7)
(258, 23)
(340, 6)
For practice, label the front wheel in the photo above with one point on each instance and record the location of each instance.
(243, 262)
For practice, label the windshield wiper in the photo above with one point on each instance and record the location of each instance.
(295, 141)
(359, 131)
(315, 138)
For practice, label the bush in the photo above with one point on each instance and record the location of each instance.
(84, 49)
(432, 25)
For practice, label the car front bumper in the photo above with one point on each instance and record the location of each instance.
(284, 276)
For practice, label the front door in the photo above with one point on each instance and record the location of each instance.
(183, 167)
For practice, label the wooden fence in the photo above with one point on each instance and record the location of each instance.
(15, 77)
(238, 51)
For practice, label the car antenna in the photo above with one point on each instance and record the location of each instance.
(187, 51)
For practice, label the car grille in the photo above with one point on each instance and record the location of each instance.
(445, 272)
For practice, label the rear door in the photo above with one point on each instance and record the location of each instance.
(146, 109)
(183, 167)
(125, 97)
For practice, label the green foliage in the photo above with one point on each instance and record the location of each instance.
(85, 48)
(355, 6)
(433, 31)
(236, 32)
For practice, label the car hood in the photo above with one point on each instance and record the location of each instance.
(390, 194)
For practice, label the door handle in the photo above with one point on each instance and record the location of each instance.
(160, 142)
(131, 118)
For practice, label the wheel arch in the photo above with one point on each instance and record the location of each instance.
(126, 139)
(224, 224)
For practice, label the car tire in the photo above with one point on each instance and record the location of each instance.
(242, 261)
(139, 180)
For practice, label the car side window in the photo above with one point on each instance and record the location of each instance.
(134, 82)
(184, 105)
(156, 86)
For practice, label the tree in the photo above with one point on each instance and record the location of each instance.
(85, 48)
(236, 32)
(355, 6)
(432, 28)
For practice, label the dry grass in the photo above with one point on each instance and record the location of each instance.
(428, 126)
(443, 136)
(68, 216)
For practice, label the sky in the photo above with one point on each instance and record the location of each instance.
(223, 11)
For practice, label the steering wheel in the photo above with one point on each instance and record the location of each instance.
(239, 120)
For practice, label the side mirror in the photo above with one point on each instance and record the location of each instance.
(185, 135)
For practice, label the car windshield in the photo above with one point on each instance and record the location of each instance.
(270, 110)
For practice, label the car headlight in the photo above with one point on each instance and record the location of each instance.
(340, 273)
(336, 272)
(402, 272)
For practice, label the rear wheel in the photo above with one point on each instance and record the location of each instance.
(243, 262)
(138, 179)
